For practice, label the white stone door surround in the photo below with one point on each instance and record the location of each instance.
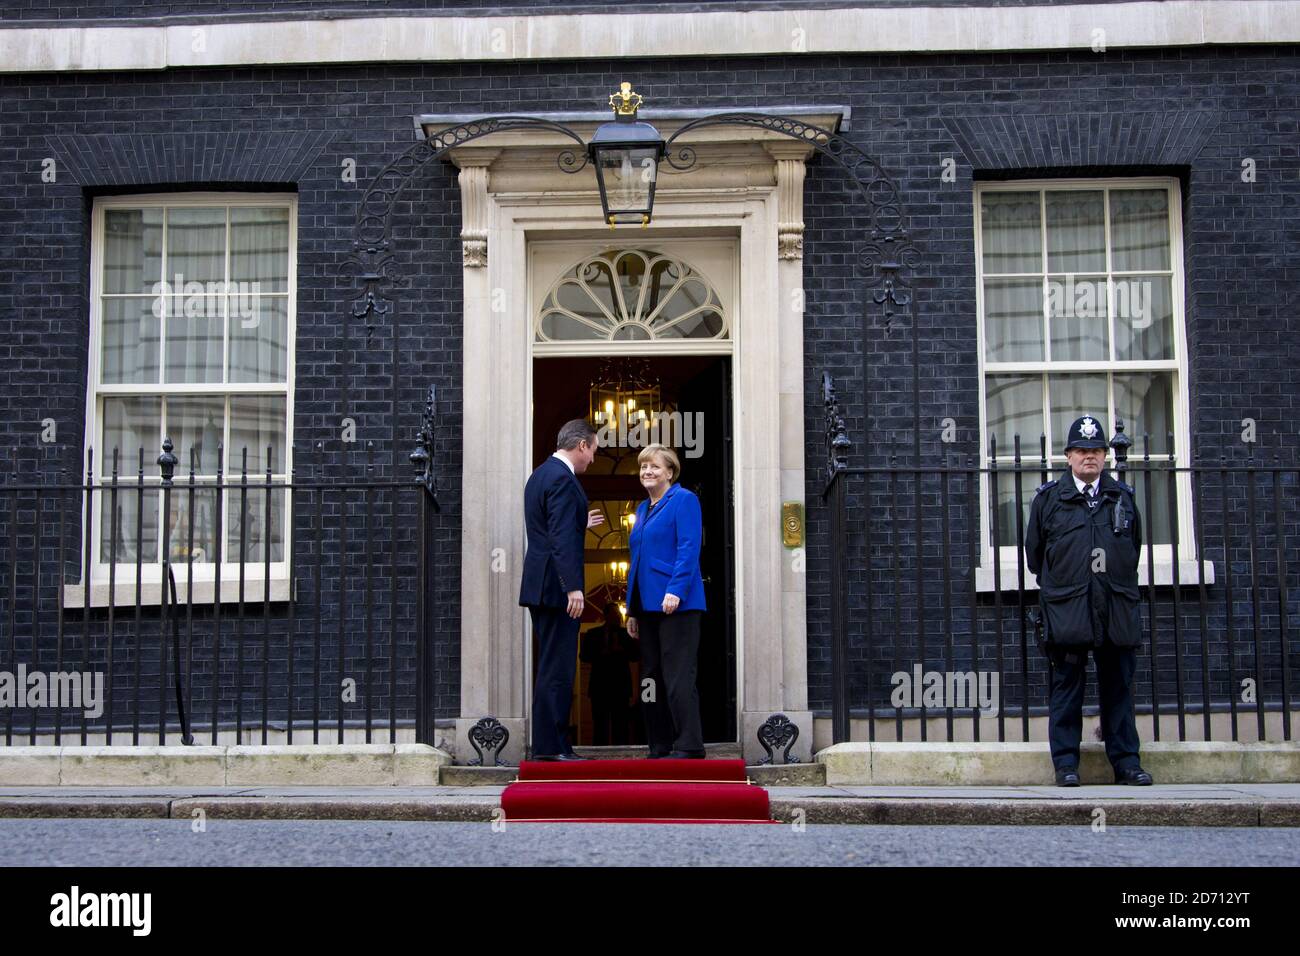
(747, 184)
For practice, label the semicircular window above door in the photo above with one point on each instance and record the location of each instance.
(631, 295)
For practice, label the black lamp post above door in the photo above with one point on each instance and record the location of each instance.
(626, 155)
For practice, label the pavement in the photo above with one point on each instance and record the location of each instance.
(1178, 805)
(334, 843)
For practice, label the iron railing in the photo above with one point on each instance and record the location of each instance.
(322, 626)
(913, 583)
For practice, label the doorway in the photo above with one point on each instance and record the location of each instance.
(688, 398)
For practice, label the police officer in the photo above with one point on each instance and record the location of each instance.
(1082, 543)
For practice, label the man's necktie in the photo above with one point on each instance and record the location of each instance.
(1088, 493)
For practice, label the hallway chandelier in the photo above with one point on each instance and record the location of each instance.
(623, 395)
(616, 572)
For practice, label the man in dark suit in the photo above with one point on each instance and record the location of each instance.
(555, 512)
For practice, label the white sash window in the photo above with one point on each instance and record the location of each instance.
(1080, 303)
(192, 321)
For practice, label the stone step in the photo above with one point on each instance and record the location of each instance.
(450, 775)
(725, 751)
(790, 775)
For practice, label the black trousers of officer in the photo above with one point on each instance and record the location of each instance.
(557, 655)
(670, 647)
(1115, 669)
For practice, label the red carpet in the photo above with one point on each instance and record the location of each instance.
(635, 791)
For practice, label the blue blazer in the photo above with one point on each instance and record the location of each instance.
(555, 512)
(665, 549)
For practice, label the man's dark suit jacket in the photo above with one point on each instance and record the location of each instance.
(555, 512)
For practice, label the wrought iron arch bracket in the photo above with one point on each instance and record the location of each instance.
(372, 261)
(888, 254)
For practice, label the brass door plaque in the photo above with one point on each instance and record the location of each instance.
(792, 524)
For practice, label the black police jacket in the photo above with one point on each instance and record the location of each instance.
(1073, 549)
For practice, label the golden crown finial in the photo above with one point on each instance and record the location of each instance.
(625, 102)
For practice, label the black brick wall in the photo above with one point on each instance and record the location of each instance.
(1193, 113)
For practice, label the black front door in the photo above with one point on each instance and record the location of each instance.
(707, 471)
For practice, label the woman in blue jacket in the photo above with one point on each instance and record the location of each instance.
(665, 600)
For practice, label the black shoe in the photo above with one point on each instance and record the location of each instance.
(1134, 777)
(686, 755)
(558, 757)
(1067, 777)
(657, 755)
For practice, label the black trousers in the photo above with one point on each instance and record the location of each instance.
(670, 648)
(1115, 669)
(557, 656)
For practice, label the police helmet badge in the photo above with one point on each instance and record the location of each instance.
(1086, 432)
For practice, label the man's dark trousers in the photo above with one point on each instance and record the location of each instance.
(557, 653)
(1115, 669)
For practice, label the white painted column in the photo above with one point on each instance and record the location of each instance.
(494, 396)
(780, 664)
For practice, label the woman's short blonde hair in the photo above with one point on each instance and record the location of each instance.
(667, 454)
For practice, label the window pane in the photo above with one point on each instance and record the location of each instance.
(202, 516)
(194, 348)
(1145, 400)
(1013, 320)
(559, 327)
(690, 298)
(1029, 480)
(1011, 232)
(1015, 406)
(1139, 229)
(1076, 231)
(132, 250)
(1078, 318)
(705, 324)
(196, 423)
(248, 510)
(255, 422)
(1073, 396)
(130, 424)
(1155, 520)
(259, 247)
(664, 274)
(134, 527)
(594, 296)
(196, 244)
(259, 338)
(131, 332)
(1144, 318)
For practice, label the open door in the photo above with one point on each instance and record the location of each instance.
(696, 385)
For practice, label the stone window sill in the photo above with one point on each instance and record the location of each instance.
(1163, 568)
(151, 591)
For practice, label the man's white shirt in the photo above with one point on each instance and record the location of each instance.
(556, 454)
